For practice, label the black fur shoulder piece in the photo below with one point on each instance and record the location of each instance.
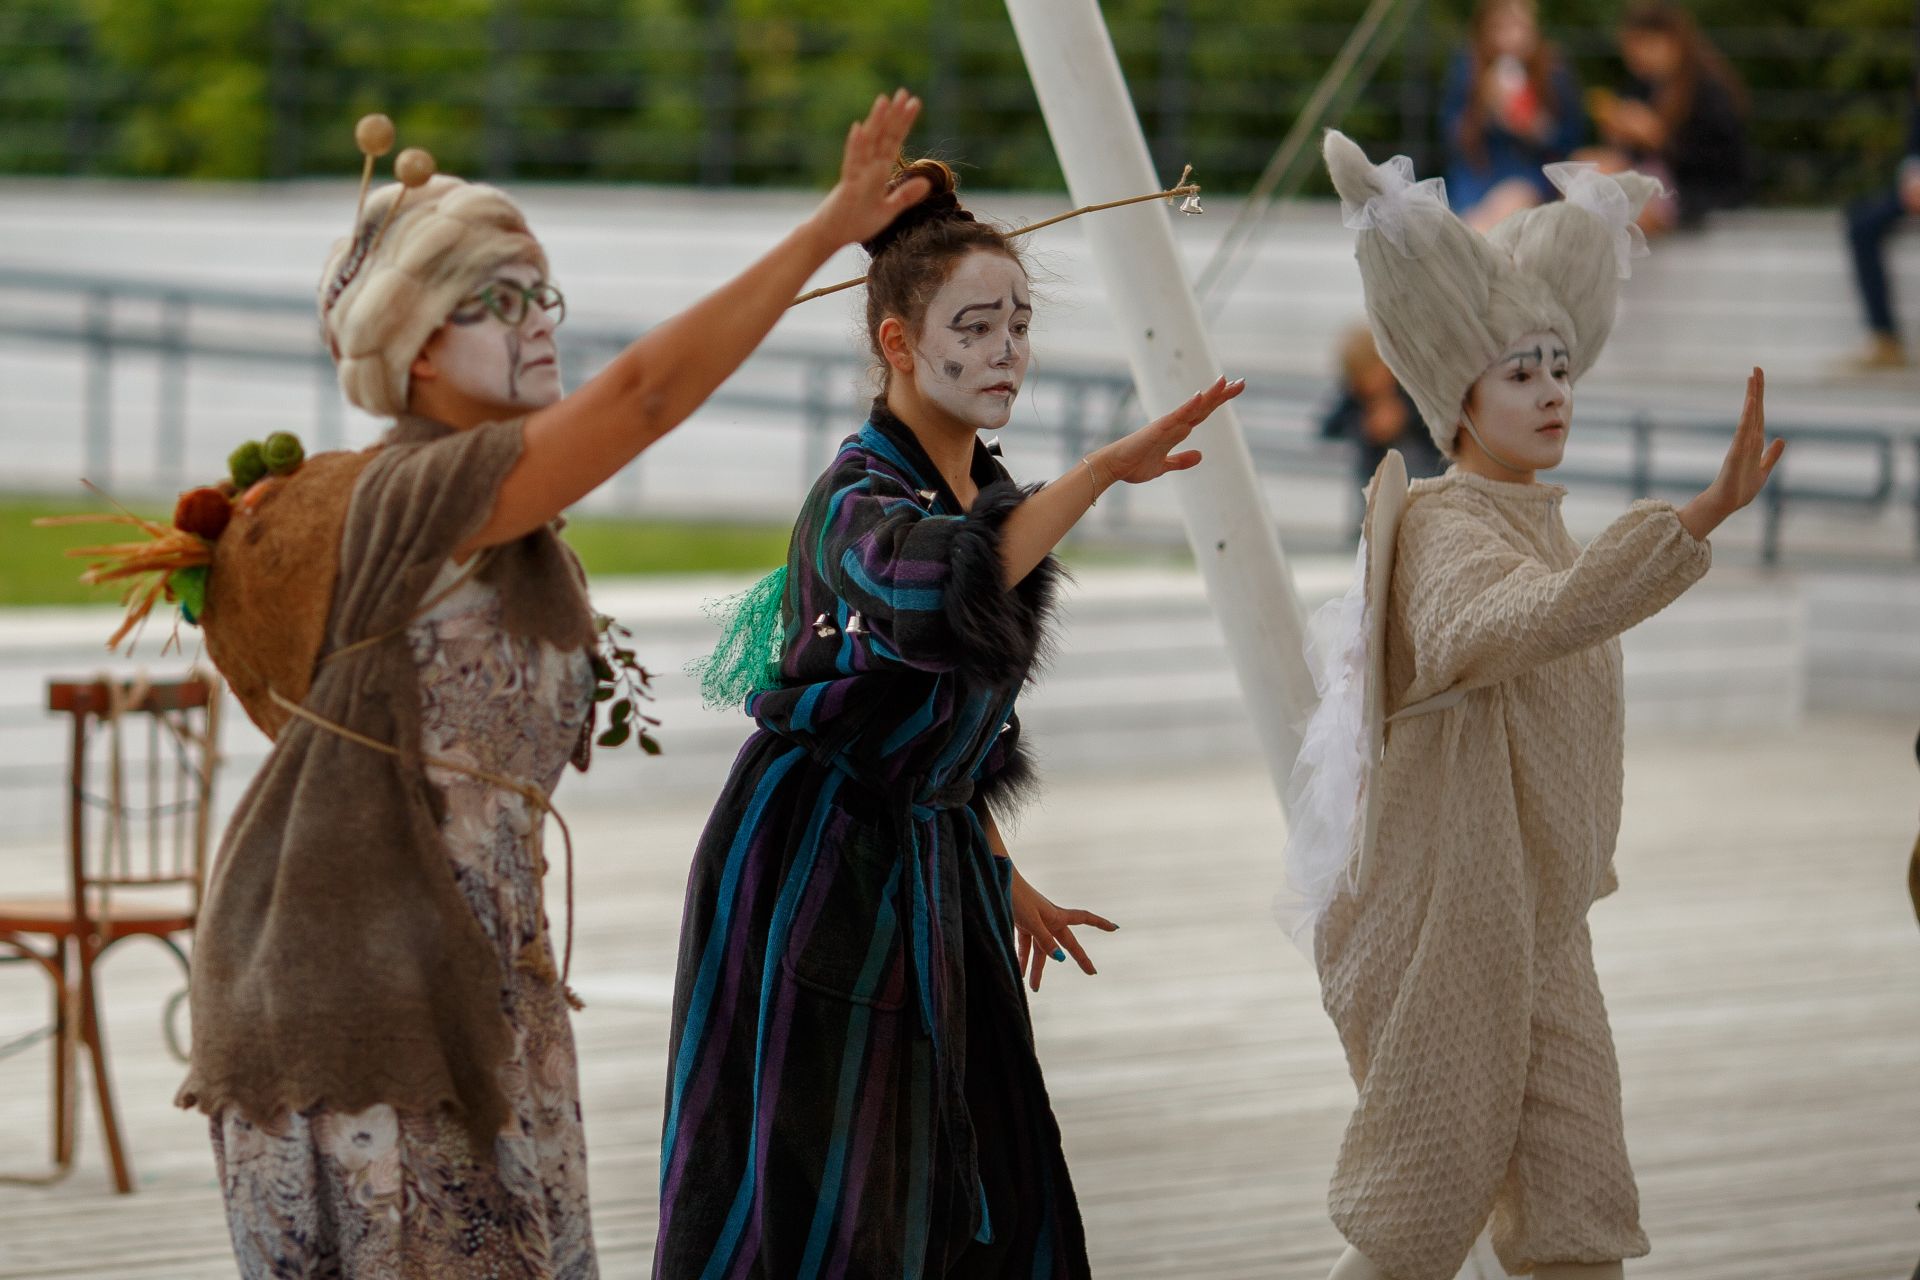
(1003, 635)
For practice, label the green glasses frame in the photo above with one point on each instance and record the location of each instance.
(507, 301)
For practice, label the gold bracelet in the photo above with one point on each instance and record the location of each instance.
(1093, 474)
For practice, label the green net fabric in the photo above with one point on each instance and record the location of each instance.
(747, 657)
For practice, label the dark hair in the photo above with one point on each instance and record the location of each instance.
(914, 254)
(1699, 60)
(1541, 65)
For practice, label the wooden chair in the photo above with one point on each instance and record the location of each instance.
(137, 833)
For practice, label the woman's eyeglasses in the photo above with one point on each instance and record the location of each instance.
(507, 301)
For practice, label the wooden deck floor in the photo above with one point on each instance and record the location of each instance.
(1761, 966)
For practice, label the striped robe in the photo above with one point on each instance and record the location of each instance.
(853, 1090)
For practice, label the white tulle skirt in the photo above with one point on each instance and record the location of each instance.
(1328, 783)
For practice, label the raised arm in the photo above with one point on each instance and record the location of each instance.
(1482, 612)
(578, 443)
(1036, 527)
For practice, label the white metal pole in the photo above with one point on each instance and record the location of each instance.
(1088, 111)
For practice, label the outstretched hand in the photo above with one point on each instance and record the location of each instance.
(1044, 932)
(860, 205)
(1749, 463)
(1148, 453)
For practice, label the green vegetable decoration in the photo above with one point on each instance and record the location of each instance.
(248, 465)
(189, 587)
(282, 453)
(205, 512)
(173, 561)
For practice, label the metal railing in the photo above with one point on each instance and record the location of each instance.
(813, 391)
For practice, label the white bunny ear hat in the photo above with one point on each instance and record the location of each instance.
(1445, 301)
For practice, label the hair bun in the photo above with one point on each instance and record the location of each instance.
(941, 204)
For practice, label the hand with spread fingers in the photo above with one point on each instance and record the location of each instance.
(1044, 931)
(1749, 463)
(860, 205)
(1148, 453)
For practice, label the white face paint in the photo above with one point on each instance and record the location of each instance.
(507, 366)
(972, 345)
(1522, 405)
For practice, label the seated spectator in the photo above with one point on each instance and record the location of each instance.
(1869, 221)
(1375, 412)
(1683, 116)
(1511, 105)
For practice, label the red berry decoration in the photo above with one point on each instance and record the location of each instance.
(203, 511)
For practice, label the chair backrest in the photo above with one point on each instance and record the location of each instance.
(140, 779)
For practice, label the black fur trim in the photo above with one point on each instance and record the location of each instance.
(1014, 784)
(1001, 636)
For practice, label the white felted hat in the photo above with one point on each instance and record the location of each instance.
(1444, 301)
(446, 240)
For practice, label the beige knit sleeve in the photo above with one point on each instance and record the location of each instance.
(1480, 611)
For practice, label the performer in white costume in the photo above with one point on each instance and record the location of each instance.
(1459, 792)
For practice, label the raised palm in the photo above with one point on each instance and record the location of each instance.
(860, 205)
(1750, 459)
(1148, 453)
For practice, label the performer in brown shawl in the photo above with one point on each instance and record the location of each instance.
(380, 1034)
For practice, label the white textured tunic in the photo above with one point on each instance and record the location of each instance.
(1460, 970)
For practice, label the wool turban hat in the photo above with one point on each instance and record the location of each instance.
(448, 238)
(1445, 302)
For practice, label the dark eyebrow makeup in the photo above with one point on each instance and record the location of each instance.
(976, 306)
(1535, 356)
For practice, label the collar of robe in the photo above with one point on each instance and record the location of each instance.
(984, 469)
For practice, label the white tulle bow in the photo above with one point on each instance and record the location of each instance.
(1584, 185)
(1402, 211)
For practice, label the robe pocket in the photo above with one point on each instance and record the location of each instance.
(846, 940)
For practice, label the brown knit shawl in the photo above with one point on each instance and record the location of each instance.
(337, 963)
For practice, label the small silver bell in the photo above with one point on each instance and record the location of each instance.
(825, 629)
(1191, 205)
(928, 496)
(856, 626)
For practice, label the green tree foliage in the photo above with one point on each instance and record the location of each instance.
(759, 91)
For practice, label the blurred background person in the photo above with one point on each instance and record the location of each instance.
(1511, 105)
(1870, 220)
(1681, 117)
(1374, 411)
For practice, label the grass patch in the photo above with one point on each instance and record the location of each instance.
(612, 545)
(34, 569)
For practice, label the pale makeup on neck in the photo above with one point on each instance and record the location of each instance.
(503, 369)
(1520, 409)
(972, 349)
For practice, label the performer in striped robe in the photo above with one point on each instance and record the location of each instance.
(853, 1088)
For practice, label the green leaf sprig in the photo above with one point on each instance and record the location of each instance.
(626, 686)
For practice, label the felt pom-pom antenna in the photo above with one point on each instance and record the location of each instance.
(373, 135)
(414, 166)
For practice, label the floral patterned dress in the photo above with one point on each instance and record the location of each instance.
(383, 1195)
